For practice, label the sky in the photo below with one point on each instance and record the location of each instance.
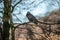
(38, 8)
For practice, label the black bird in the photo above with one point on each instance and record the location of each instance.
(31, 18)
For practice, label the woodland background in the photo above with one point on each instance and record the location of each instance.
(15, 25)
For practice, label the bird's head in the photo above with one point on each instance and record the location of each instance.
(28, 13)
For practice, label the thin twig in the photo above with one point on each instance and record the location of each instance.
(17, 18)
(15, 5)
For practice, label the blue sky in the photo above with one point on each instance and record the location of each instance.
(36, 7)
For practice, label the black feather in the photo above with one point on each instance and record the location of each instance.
(31, 18)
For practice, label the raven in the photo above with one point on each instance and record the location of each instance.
(31, 18)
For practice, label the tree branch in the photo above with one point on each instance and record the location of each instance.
(49, 23)
(17, 17)
(1, 11)
(15, 5)
(20, 24)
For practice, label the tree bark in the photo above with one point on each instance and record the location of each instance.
(6, 19)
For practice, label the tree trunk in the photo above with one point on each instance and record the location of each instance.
(6, 19)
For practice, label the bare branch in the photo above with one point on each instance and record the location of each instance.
(31, 18)
(17, 17)
(20, 24)
(1, 1)
(15, 5)
(1, 11)
(58, 2)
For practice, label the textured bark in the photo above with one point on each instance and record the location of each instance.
(6, 19)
